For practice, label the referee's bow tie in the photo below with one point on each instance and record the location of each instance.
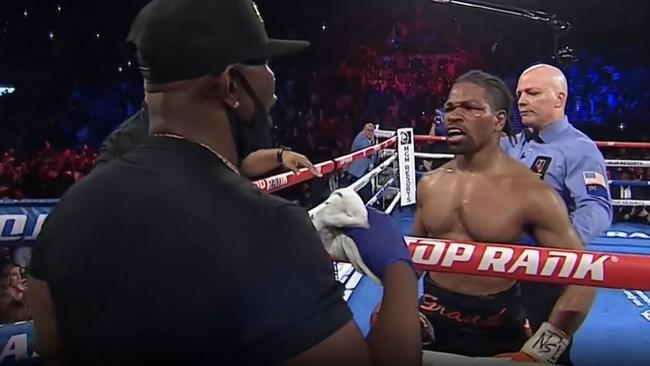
(530, 135)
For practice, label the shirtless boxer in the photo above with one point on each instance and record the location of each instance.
(483, 195)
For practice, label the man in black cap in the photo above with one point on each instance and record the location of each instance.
(168, 256)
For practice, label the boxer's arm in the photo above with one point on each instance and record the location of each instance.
(419, 229)
(552, 228)
(48, 341)
(422, 195)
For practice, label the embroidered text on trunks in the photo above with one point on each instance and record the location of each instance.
(430, 304)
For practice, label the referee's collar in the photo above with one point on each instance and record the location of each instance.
(554, 130)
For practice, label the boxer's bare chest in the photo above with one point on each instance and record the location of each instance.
(473, 207)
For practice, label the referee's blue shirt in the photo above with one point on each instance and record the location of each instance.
(570, 161)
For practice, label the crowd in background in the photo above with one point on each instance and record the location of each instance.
(45, 173)
(394, 69)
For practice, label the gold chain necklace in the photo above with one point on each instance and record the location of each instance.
(179, 137)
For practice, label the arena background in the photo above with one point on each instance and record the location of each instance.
(67, 78)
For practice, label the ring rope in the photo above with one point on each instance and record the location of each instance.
(619, 202)
(628, 163)
(609, 163)
(361, 182)
(289, 179)
(285, 180)
(394, 203)
(522, 263)
(28, 202)
(633, 203)
(630, 183)
(617, 144)
(380, 192)
(434, 156)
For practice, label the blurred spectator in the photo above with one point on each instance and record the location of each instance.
(45, 173)
(359, 168)
(12, 290)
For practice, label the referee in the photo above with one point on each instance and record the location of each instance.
(565, 158)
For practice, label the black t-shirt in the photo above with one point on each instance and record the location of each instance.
(166, 256)
(124, 138)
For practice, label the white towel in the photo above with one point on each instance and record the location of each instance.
(343, 209)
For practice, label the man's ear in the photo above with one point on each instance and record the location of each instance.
(560, 100)
(500, 118)
(229, 86)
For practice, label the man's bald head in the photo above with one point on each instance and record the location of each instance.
(551, 75)
(542, 94)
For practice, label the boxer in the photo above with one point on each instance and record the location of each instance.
(484, 195)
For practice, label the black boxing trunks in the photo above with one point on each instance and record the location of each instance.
(475, 326)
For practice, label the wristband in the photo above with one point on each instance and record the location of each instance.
(281, 151)
(547, 344)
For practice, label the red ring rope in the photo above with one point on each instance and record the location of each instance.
(619, 144)
(546, 265)
(286, 180)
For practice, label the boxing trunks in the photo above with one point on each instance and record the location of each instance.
(475, 326)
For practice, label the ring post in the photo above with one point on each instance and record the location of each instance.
(406, 156)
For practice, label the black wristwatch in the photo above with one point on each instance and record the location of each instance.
(281, 151)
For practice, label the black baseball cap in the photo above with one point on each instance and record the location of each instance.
(185, 39)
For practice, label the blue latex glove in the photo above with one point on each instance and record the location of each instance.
(381, 244)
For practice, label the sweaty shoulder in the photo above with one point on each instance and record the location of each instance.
(520, 173)
(522, 180)
(532, 192)
(440, 173)
(429, 181)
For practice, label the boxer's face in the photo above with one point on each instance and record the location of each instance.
(469, 119)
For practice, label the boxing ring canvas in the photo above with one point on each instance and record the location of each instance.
(616, 332)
